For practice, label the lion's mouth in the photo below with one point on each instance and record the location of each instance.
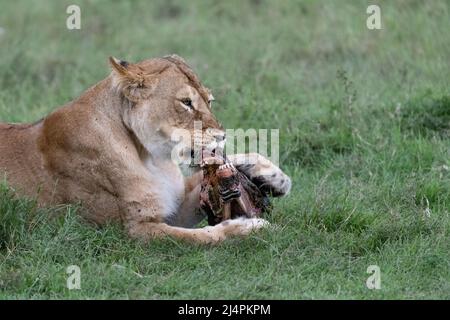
(210, 149)
(202, 156)
(212, 152)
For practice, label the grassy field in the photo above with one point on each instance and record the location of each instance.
(364, 119)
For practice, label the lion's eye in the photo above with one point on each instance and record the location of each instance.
(187, 102)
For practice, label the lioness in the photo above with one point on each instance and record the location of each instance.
(110, 150)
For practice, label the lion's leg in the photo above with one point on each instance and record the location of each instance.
(144, 219)
(189, 214)
(207, 235)
(262, 172)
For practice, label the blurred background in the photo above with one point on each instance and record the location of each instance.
(271, 64)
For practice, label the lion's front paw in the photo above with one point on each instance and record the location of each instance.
(242, 226)
(277, 183)
(266, 175)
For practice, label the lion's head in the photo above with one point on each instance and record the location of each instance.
(164, 103)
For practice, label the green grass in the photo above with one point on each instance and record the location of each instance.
(364, 119)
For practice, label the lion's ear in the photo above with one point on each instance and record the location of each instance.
(131, 81)
(120, 66)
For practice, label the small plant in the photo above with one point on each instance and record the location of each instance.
(427, 116)
(350, 94)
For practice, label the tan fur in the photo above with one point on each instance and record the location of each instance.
(110, 150)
